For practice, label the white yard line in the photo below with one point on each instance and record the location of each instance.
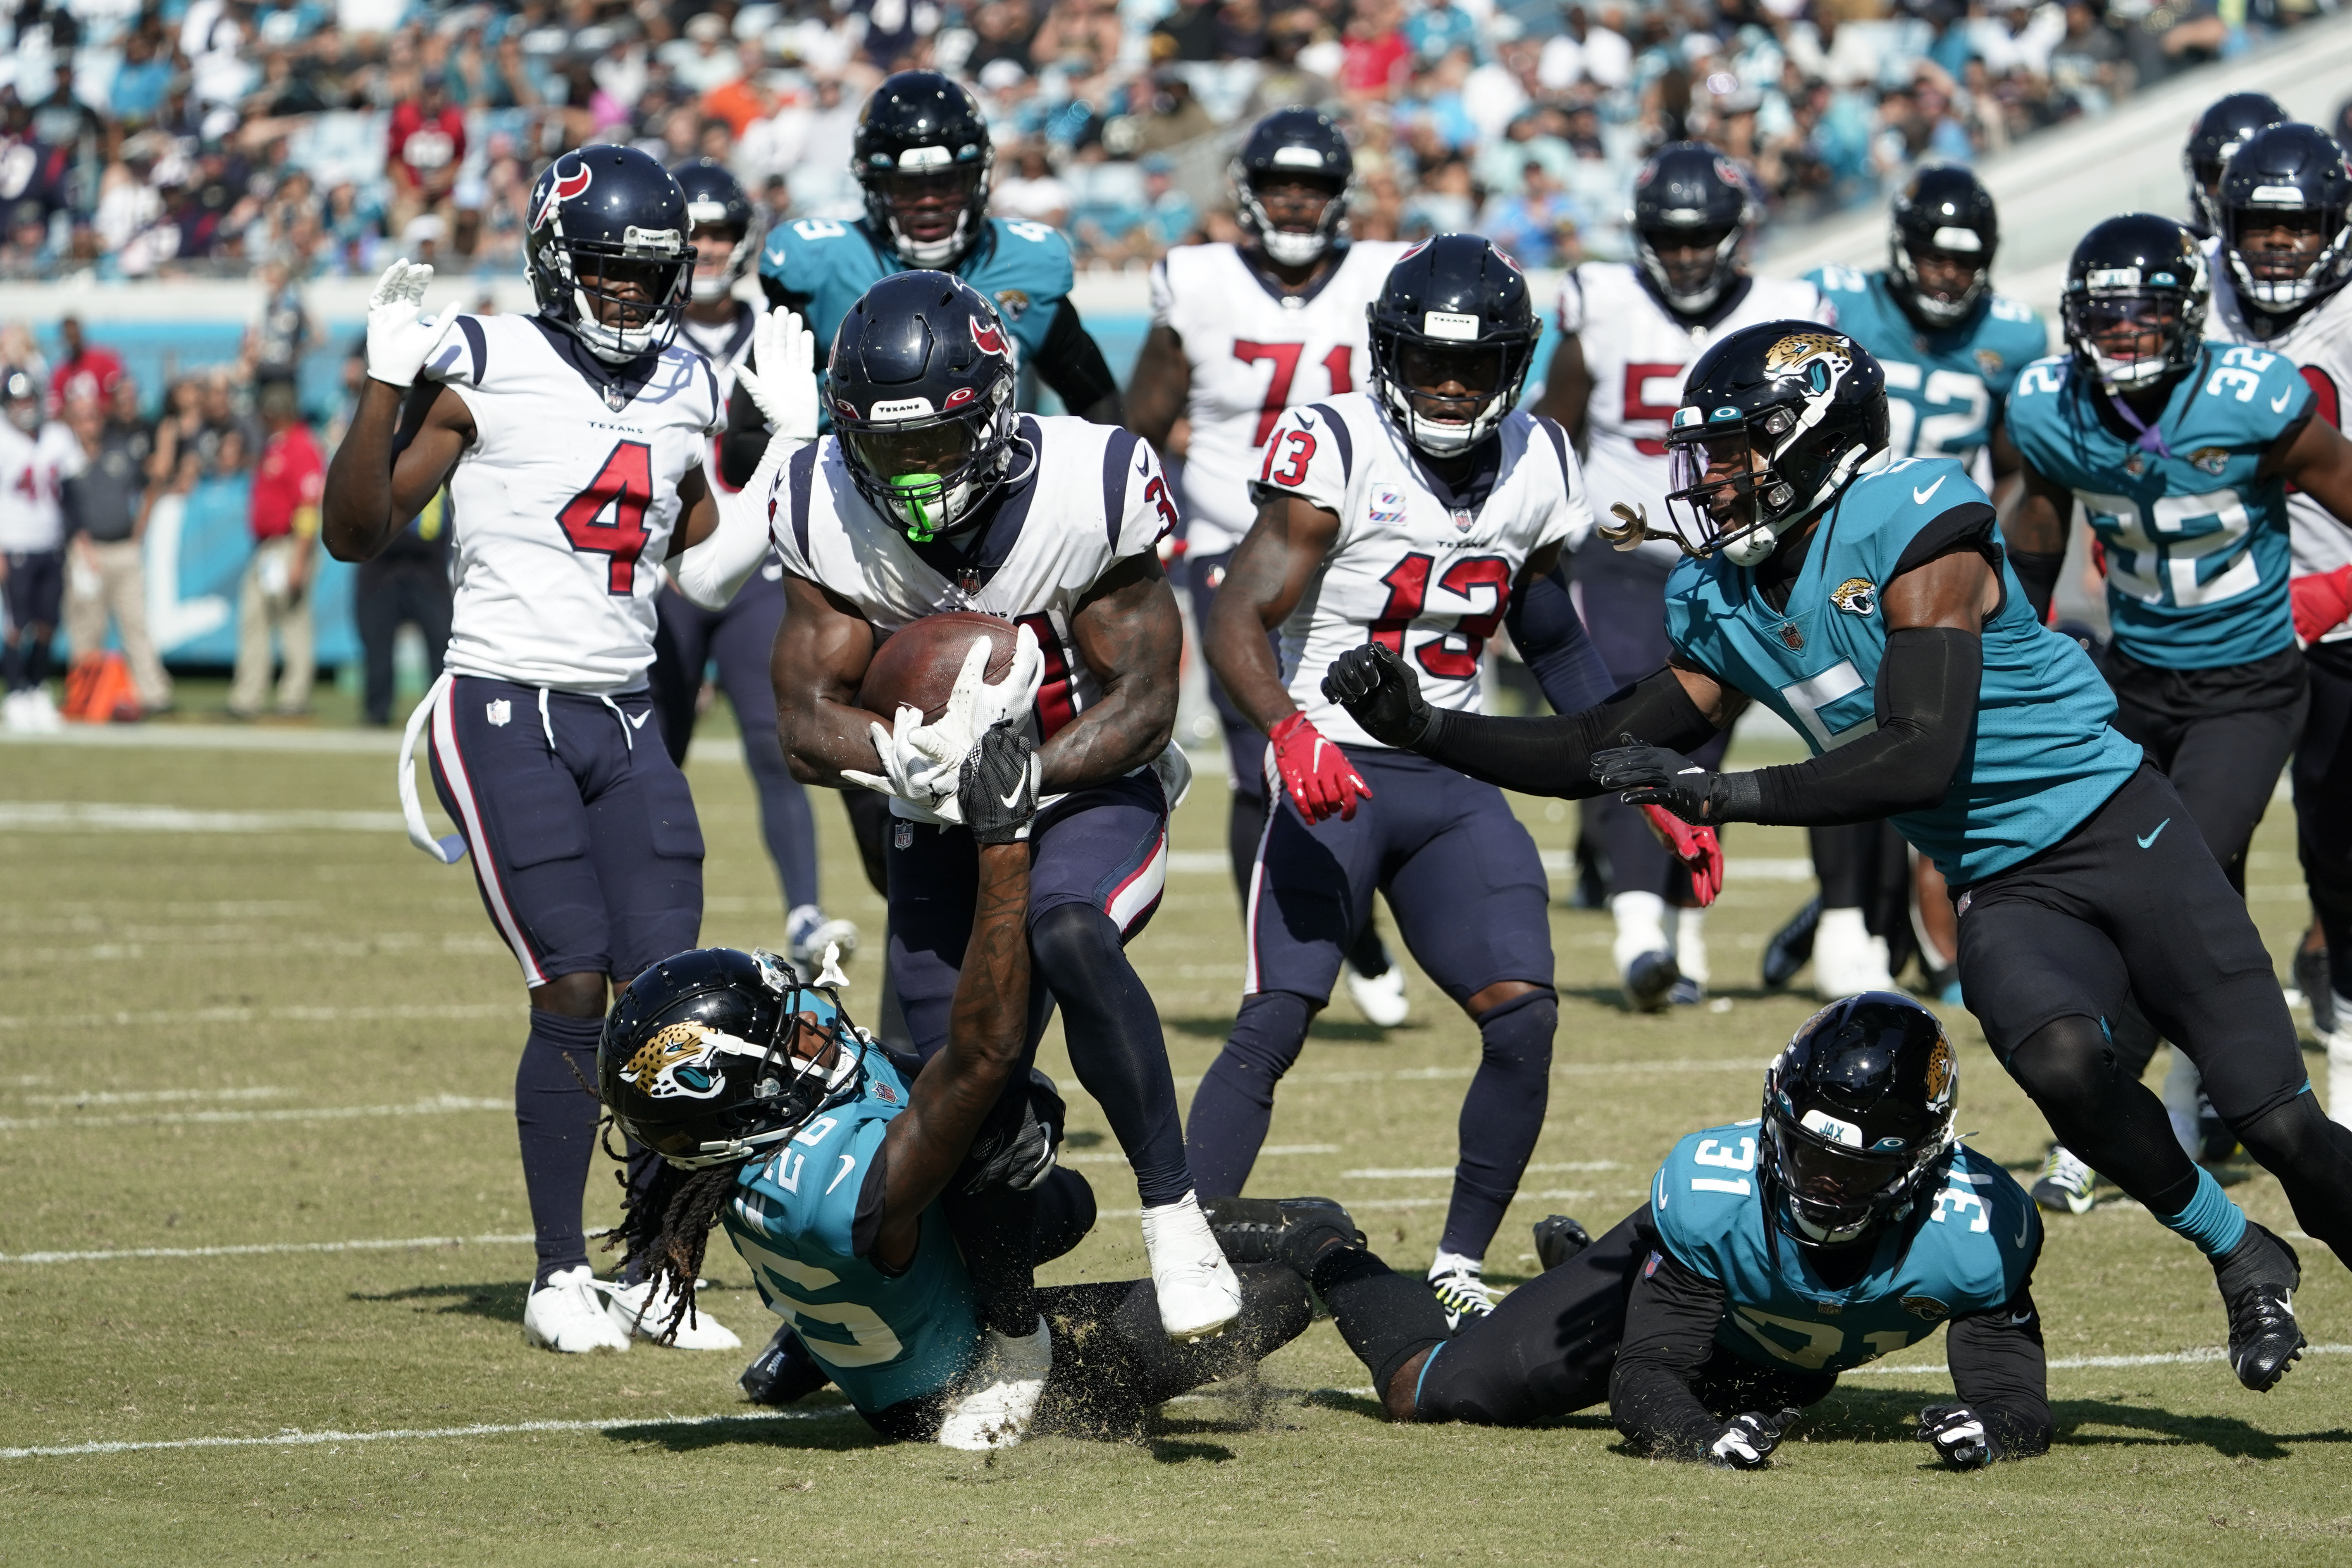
(104, 816)
(440, 1104)
(408, 1243)
(2088, 1363)
(177, 1017)
(1269, 1151)
(504, 1429)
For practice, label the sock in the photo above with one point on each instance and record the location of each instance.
(2209, 1218)
(2343, 1014)
(1386, 1318)
(1502, 1116)
(1690, 944)
(555, 1119)
(11, 666)
(2339, 1068)
(1640, 927)
(1234, 1103)
(1117, 1046)
(1454, 1262)
(36, 655)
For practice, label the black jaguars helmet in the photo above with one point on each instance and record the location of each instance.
(1945, 208)
(2227, 124)
(608, 238)
(716, 201)
(2132, 278)
(1453, 310)
(2290, 178)
(922, 156)
(1688, 194)
(1775, 421)
(1294, 144)
(712, 1054)
(1857, 1117)
(921, 384)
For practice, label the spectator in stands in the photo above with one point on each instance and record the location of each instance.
(276, 597)
(1031, 189)
(1537, 226)
(426, 143)
(106, 519)
(84, 369)
(1438, 29)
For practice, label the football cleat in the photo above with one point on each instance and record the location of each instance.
(2313, 978)
(2066, 1183)
(1379, 997)
(1558, 1240)
(2257, 1280)
(1791, 946)
(1463, 1296)
(1847, 959)
(567, 1314)
(1294, 1232)
(784, 1371)
(1649, 981)
(1199, 1294)
(1002, 1392)
(644, 1310)
(808, 929)
(1686, 992)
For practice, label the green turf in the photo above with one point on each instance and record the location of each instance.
(261, 978)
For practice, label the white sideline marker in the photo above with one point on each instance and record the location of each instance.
(2089, 1363)
(250, 1248)
(440, 1104)
(314, 1439)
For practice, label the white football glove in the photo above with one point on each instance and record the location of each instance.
(1747, 1442)
(784, 386)
(1959, 1436)
(923, 787)
(399, 341)
(975, 705)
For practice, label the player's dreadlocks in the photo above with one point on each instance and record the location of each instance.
(666, 1222)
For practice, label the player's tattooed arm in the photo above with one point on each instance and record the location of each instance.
(821, 654)
(1567, 389)
(1129, 635)
(1268, 575)
(402, 445)
(1161, 386)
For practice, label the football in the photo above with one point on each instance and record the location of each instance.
(917, 665)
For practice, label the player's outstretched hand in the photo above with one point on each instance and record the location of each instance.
(976, 705)
(907, 773)
(1959, 1436)
(1379, 691)
(1022, 1157)
(996, 787)
(784, 386)
(399, 341)
(1320, 780)
(1747, 1444)
(1697, 848)
(1652, 776)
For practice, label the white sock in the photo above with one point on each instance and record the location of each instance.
(1641, 926)
(1450, 1263)
(1690, 944)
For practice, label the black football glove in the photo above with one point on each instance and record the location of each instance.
(1652, 776)
(1749, 1441)
(1959, 1436)
(1022, 1155)
(996, 789)
(1381, 693)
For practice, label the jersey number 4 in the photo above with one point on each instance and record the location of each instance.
(1286, 367)
(1450, 655)
(608, 518)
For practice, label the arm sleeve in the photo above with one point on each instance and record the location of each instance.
(2037, 573)
(1550, 635)
(1554, 756)
(711, 572)
(1071, 363)
(1999, 1372)
(1670, 1322)
(1927, 701)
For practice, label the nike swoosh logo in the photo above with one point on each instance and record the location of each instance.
(2278, 405)
(2149, 841)
(1011, 801)
(638, 720)
(2024, 1228)
(1919, 497)
(1307, 420)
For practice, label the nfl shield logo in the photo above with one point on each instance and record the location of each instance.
(1462, 519)
(1790, 637)
(902, 835)
(615, 398)
(498, 710)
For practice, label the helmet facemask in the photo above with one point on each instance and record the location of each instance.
(2281, 278)
(920, 192)
(1691, 284)
(1292, 246)
(2131, 336)
(707, 225)
(1739, 485)
(1827, 1191)
(1951, 245)
(1447, 396)
(931, 472)
(626, 298)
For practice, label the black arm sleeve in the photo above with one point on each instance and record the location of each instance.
(1927, 702)
(1670, 1322)
(866, 1224)
(1550, 635)
(746, 441)
(1554, 756)
(1072, 362)
(1999, 1372)
(2038, 574)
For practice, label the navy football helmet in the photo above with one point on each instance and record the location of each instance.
(1294, 144)
(20, 391)
(1943, 208)
(1688, 194)
(716, 201)
(713, 1054)
(922, 156)
(2133, 277)
(1857, 1117)
(607, 253)
(2290, 178)
(2227, 123)
(1453, 310)
(1775, 421)
(921, 384)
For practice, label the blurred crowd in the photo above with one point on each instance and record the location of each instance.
(146, 138)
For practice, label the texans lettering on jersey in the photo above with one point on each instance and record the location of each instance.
(726, 344)
(1637, 354)
(32, 473)
(2042, 757)
(2195, 538)
(564, 502)
(1413, 567)
(1255, 353)
(1944, 388)
(1972, 1251)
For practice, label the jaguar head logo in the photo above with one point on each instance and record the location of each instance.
(680, 1064)
(1940, 1074)
(1856, 596)
(1800, 348)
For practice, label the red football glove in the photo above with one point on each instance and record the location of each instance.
(1697, 848)
(2322, 601)
(1314, 771)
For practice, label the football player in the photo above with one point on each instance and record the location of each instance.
(725, 230)
(1423, 512)
(1774, 1254)
(1240, 335)
(1951, 350)
(1629, 331)
(829, 1164)
(37, 457)
(2227, 123)
(1874, 612)
(573, 442)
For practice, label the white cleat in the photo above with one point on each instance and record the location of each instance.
(1379, 997)
(15, 717)
(1199, 1295)
(1004, 1386)
(807, 931)
(1462, 1295)
(643, 1307)
(43, 707)
(1847, 959)
(567, 1314)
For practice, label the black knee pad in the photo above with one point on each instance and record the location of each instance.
(2067, 1062)
(1065, 1213)
(1069, 937)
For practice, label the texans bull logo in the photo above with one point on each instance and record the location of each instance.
(562, 187)
(989, 338)
(681, 1062)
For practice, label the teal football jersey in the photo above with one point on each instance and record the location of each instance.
(2198, 545)
(1944, 388)
(2043, 757)
(1023, 269)
(1972, 1252)
(884, 1337)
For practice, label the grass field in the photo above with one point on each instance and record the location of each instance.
(218, 1038)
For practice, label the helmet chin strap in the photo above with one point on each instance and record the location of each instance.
(1294, 249)
(932, 253)
(1753, 548)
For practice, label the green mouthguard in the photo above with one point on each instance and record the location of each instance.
(922, 494)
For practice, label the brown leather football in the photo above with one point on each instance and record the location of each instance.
(917, 665)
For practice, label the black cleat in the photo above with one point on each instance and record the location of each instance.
(1791, 946)
(2313, 979)
(1650, 982)
(1296, 1231)
(2258, 1278)
(1558, 1239)
(783, 1371)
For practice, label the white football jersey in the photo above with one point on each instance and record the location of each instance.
(32, 473)
(1094, 498)
(564, 503)
(1255, 353)
(1415, 565)
(726, 344)
(1636, 354)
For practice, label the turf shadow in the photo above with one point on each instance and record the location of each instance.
(500, 1302)
(1348, 1032)
(1892, 1416)
(825, 1430)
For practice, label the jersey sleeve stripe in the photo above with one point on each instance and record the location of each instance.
(1116, 452)
(1347, 444)
(803, 475)
(1558, 446)
(710, 379)
(476, 344)
(1969, 526)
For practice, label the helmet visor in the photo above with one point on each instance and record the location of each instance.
(1832, 1190)
(931, 451)
(2130, 336)
(1713, 481)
